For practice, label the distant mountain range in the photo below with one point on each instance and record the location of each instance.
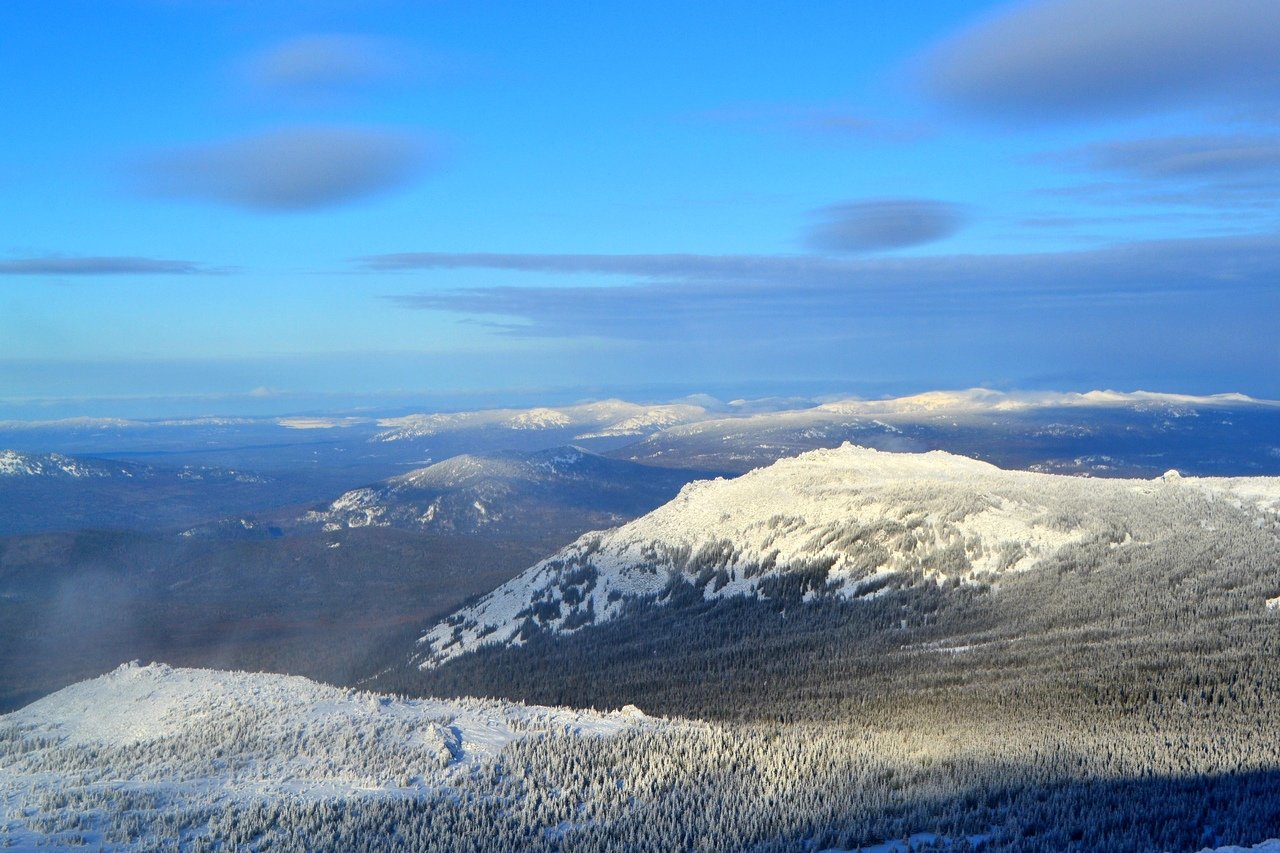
(1101, 433)
(314, 457)
(605, 419)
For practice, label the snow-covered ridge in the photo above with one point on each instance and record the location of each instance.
(90, 423)
(423, 496)
(176, 741)
(15, 464)
(621, 418)
(236, 734)
(506, 489)
(608, 417)
(651, 418)
(975, 400)
(321, 422)
(468, 468)
(1061, 426)
(842, 521)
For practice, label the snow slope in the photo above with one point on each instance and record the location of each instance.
(843, 522)
(195, 737)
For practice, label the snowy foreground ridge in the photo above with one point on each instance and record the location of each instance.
(844, 521)
(194, 737)
(421, 740)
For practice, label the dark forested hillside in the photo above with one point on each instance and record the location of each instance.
(1187, 607)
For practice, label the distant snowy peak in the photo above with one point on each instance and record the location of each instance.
(539, 419)
(845, 522)
(14, 464)
(460, 492)
(976, 400)
(510, 489)
(589, 420)
(650, 419)
(473, 467)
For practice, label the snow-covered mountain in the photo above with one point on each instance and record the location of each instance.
(54, 491)
(844, 522)
(560, 487)
(975, 400)
(25, 465)
(190, 738)
(1099, 433)
(607, 418)
(16, 466)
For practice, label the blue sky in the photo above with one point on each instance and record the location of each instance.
(255, 207)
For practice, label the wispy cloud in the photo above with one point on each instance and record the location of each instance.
(1218, 171)
(297, 168)
(828, 122)
(323, 65)
(879, 224)
(1181, 157)
(1074, 58)
(764, 298)
(684, 266)
(58, 265)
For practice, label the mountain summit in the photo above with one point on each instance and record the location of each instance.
(848, 522)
